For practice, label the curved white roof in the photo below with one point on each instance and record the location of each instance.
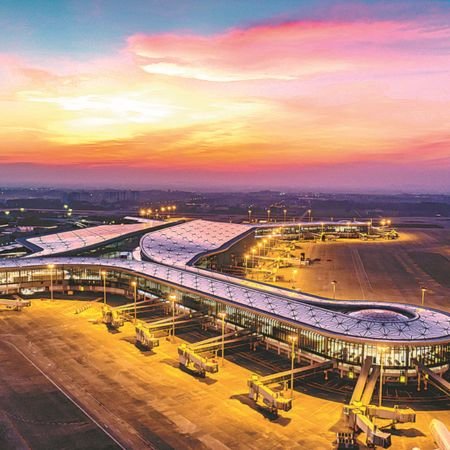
(421, 325)
(57, 243)
(181, 244)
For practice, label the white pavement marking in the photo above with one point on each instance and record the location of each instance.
(66, 395)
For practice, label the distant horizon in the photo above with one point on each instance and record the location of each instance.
(222, 189)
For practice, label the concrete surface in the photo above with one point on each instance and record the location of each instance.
(146, 401)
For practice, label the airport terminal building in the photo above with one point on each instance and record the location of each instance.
(169, 260)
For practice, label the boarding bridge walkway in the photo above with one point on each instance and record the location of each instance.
(298, 372)
(148, 333)
(201, 357)
(166, 324)
(114, 317)
(17, 304)
(148, 303)
(361, 382)
(370, 386)
(435, 378)
(263, 387)
(360, 412)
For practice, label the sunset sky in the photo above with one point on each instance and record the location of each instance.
(226, 94)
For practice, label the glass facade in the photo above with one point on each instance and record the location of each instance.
(346, 351)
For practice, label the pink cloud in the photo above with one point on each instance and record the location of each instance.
(292, 50)
(270, 102)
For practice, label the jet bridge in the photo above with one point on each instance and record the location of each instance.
(148, 333)
(112, 318)
(201, 358)
(268, 388)
(360, 413)
(16, 304)
(115, 317)
(429, 376)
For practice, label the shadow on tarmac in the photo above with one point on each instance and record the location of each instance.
(113, 330)
(274, 418)
(410, 432)
(142, 350)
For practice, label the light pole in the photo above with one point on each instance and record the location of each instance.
(294, 277)
(51, 267)
(104, 286)
(284, 214)
(259, 248)
(293, 339)
(134, 284)
(264, 246)
(333, 283)
(382, 350)
(423, 295)
(268, 215)
(253, 250)
(249, 216)
(222, 315)
(173, 298)
(309, 214)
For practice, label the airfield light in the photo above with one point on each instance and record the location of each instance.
(222, 315)
(333, 283)
(173, 299)
(293, 340)
(51, 267)
(423, 295)
(103, 272)
(134, 284)
(382, 351)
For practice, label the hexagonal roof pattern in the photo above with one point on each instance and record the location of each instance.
(181, 245)
(422, 325)
(68, 241)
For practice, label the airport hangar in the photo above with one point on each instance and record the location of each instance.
(165, 265)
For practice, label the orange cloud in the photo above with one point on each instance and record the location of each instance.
(284, 96)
